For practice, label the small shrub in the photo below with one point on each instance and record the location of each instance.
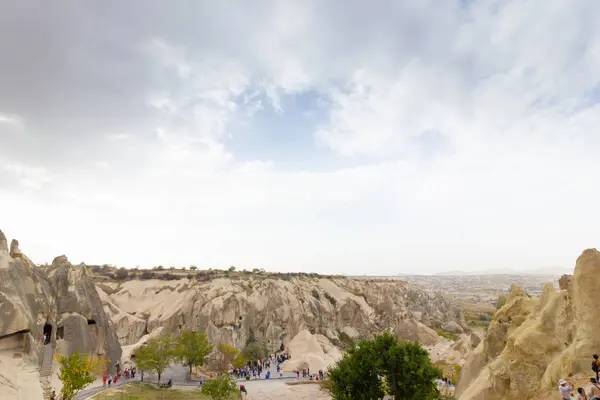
(501, 301)
(121, 273)
(315, 294)
(445, 334)
(167, 277)
(146, 275)
(331, 299)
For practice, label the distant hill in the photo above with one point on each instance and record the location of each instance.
(553, 271)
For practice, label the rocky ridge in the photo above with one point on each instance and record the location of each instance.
(107, 317)
(60, 300)
(271, 311)
(533, 342)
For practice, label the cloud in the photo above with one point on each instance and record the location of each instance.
(454, 135)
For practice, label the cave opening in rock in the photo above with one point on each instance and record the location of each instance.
(91, 322)
(60, 332)
(47, 333)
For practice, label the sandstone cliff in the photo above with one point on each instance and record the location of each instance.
(61, 301)
(272, 311)
(533, 342)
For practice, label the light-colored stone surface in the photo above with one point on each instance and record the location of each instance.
(19, 377)
(310, 351)
(30, 297)
(276, 390)
(272, 311)
(532, 342)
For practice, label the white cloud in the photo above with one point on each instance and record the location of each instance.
(471, 131)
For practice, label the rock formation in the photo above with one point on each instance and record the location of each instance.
(307, 315)
(310, 351)
(272, 311)
(62, 302)
(533, 342)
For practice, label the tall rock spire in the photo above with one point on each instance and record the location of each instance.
(14, 249)
(3, 242)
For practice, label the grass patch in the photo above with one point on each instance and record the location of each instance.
(445, 334)
(140, 391)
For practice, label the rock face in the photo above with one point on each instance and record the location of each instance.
(533, 342)
(82, 324)
(63, 301)
(273, 311)
(310, 351)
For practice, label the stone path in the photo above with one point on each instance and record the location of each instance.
(275, 385)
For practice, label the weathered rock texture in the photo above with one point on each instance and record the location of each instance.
(273, 311)
(533, 342)
(314, 352)
(65, 298)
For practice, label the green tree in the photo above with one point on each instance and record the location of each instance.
(355, 376)
(156, 355)
(220, 388)
(254, 351)
(231, 269)
(383, 365)
(239, 361)
(192, 348)
(500, 302)
(227, 354)
(76, 373)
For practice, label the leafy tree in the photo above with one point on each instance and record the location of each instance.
(193, 267)
(76, 373)
(383, 365)
(355, 376)
(156, 355)
(192, 348)
(239, 361)
(231, 269)
(407, 368)
(227, 354)
(254, 351)
(501, 301)
(220, 388)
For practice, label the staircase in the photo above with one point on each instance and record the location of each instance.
(46, 367)
(46, 370)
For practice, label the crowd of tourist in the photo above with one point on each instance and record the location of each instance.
(593, 393)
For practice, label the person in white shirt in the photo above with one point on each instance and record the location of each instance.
(565, 389)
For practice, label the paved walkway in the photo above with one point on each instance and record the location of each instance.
(179, 376)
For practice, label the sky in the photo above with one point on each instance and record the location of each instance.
(321, 136)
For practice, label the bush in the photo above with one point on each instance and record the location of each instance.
(501, 301)
(121, 273)
(315, 294)
(254, 351)
(220, 388)
(146, 275)
(445, 334)
(167, 277)
(330, 298)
